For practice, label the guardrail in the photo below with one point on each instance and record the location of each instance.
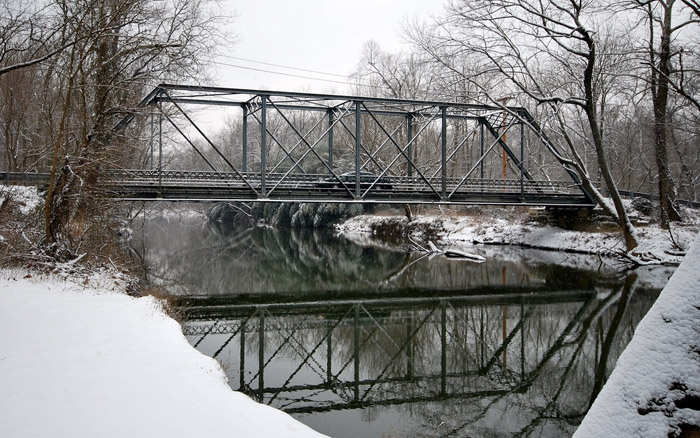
(202, 185)
(325, 181)
(23, 178)
(633, 194)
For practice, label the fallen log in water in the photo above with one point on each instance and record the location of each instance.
(456, 254)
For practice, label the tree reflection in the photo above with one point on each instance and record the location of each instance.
(205, 259)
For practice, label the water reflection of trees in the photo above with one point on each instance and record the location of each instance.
(207, 260)
(498, 366)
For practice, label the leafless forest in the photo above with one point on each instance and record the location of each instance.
(614, 83)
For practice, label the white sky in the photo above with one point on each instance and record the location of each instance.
(321, 35)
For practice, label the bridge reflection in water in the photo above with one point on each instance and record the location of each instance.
(334, 355)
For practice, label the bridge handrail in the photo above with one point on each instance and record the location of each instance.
(24, 178)
(169, 177)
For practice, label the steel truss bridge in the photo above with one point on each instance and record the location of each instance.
(303, 147)
(358, 353)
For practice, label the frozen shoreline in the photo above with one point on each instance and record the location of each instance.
(80, 357)
(88, 360)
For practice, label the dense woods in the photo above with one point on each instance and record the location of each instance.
(615, 83)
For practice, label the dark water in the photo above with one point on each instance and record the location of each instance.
(372, 341)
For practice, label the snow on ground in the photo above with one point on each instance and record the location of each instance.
(82, 360)
(27, 198)
(460, 230)
(655, 387)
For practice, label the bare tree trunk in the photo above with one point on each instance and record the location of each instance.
(54, 201)
(625, 224)
(660, 72)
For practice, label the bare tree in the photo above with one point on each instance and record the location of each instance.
(667, 73)
(395, 75)
(27, 36)
(543, 52)
(118, 48)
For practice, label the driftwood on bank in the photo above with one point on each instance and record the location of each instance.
(450, 253)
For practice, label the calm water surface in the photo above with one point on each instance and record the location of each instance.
(367, 340)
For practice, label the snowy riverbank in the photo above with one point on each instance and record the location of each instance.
(654, 390)
(459, 231)
(88, 360)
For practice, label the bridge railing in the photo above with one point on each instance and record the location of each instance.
(24, 178)
(324, 182)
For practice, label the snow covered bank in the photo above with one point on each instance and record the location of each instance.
(86, 361)
(654, 390)
(27, 198)
(486, 229)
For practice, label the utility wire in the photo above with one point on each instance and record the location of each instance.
(297, 76)
(285, 66)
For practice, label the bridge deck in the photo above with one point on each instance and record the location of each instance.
(278, 187)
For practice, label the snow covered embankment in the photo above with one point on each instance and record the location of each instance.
(654, 390)
(78, 361)
(456, 231)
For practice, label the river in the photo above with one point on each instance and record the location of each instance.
(365, 339)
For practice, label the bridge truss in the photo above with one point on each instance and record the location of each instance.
(327, 148)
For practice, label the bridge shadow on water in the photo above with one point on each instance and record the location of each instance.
(370, 341)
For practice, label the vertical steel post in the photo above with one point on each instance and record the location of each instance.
(357, 149)
(330, 140)
(263, 144)
(244, 164)
(409, 135)
(241, 372)
(443, 158)
(481, 125)
(443, 350)
(153, 135)
(261, 353)
(522, 164)
(357, 352)
(160, 151)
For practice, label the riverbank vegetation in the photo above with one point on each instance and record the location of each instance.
(533, 228)
(70, 72)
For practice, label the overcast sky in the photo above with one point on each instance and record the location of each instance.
(319, 35)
